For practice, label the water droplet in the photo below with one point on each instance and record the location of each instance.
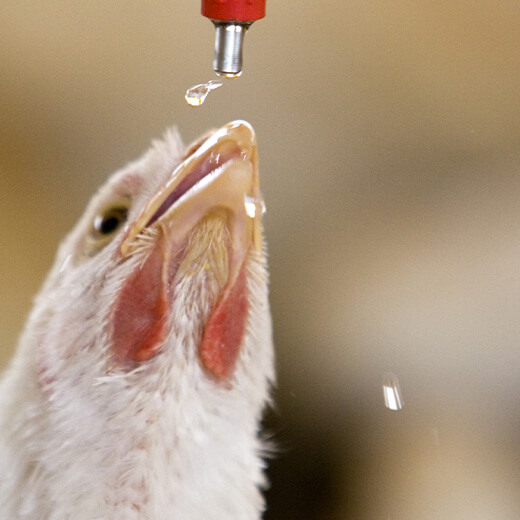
(65, 263)
(436, 437)
(215, 159)
(253, 206)
(196, 95)
(392, 392)
(230, 75)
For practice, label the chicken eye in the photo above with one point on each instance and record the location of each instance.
(110, 221)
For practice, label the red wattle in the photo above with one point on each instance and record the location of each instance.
(225, 329)
(140, 314)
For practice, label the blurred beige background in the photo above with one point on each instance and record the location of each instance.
(389, 137)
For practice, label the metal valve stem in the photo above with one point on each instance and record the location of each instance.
(229, 40)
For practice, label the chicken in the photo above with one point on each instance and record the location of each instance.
(142, 374)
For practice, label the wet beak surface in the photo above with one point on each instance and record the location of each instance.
(222, 173)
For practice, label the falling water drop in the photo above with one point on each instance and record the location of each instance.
(65, 263)
(196, 95)
(436, 437)
(392, 392)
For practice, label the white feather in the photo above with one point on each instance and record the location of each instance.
(84, 440)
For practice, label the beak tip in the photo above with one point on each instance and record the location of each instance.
(242, 129)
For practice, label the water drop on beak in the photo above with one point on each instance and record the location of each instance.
(254, 206)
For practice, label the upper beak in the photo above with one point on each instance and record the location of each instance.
(221, 173)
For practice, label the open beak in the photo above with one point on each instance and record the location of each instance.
(220, 173)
